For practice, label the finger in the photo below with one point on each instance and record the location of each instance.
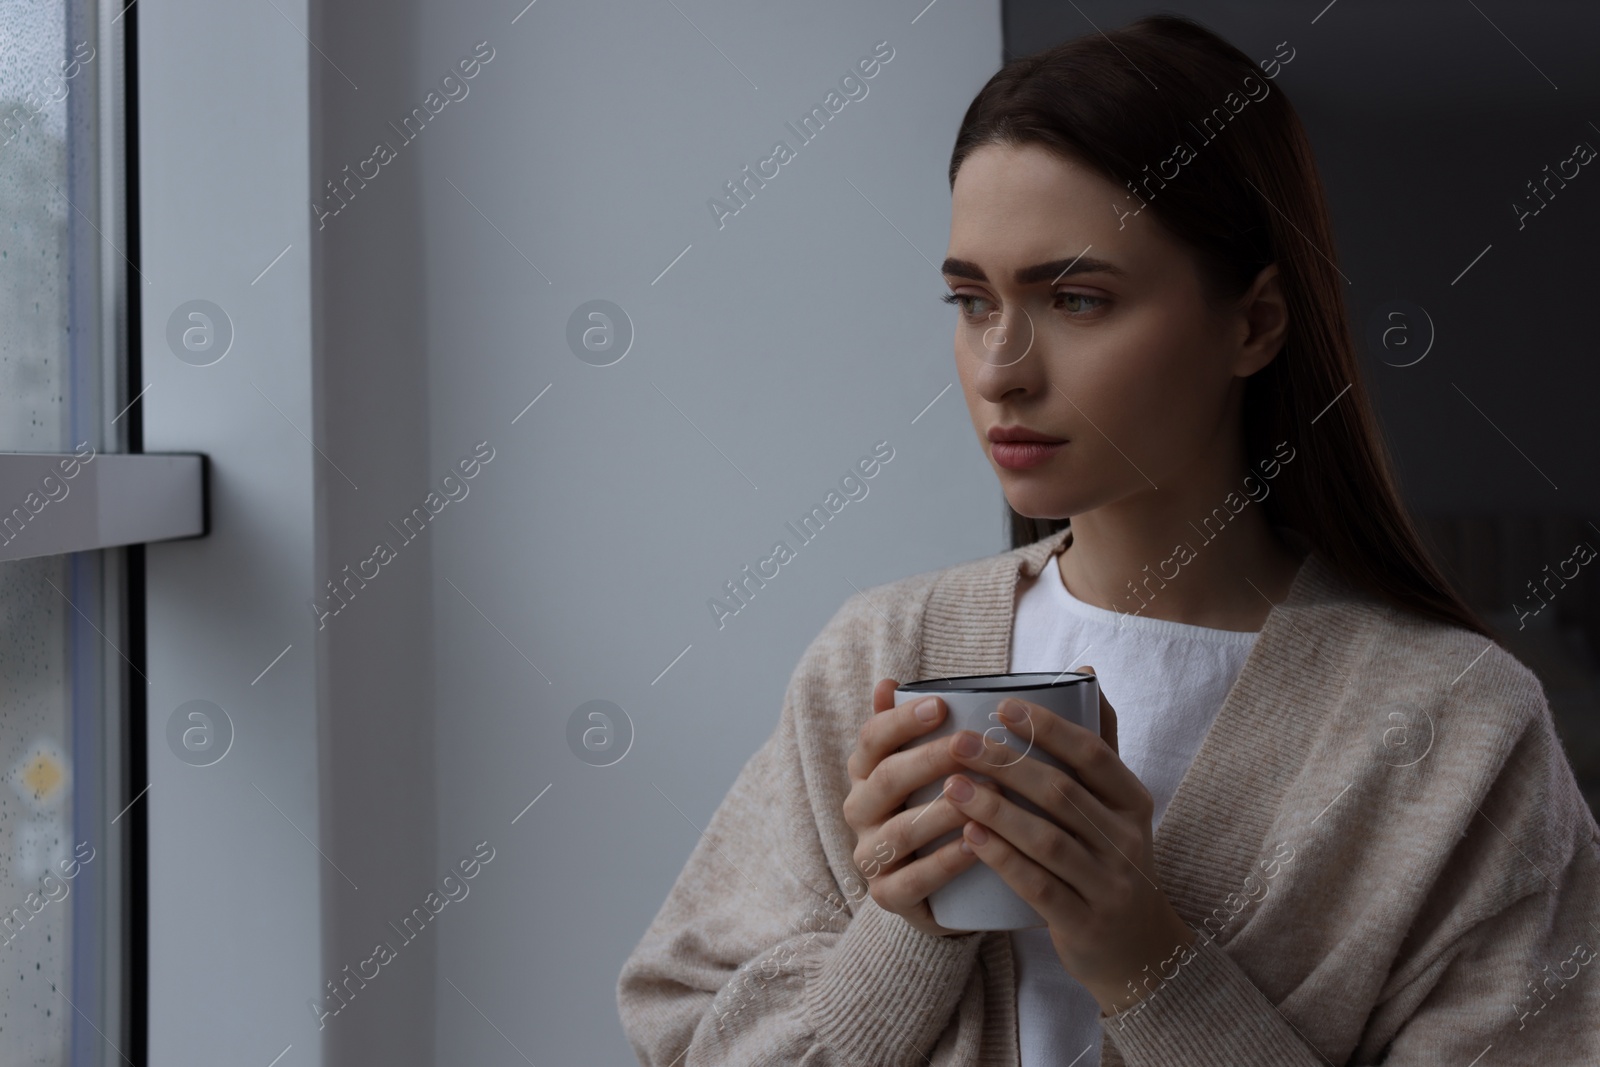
(903, 889)
(895, 843)
(890, 728)
(1064, 799)
(1057, 902)
(911, 829)
(1060, 850)
(1108, 714)
(883, 694)
(1095, 762)
(889, 786)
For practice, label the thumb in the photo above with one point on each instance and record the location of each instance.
(1108, 714)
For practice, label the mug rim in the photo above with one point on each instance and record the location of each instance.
(946, 685)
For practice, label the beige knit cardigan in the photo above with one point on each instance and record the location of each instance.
(1380, 844)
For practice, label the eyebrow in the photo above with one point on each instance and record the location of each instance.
(1039, 272)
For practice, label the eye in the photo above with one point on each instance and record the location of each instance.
(1068, 297)
(1078, 305)
(960, 300)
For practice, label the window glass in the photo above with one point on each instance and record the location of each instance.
(35, 812)
(34, 191)
(59, 739)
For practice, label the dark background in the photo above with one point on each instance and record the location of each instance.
(1428, 119)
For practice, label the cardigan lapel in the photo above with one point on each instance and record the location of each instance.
(1215, 827)
(966, 626)
(966, 629)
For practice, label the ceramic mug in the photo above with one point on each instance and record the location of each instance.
(978, 898)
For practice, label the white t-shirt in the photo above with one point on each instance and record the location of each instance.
(1166, 680)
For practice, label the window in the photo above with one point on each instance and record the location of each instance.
(70, 495)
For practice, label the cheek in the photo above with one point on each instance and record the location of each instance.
(966, 377)
(1146, 388)
(1186, 389)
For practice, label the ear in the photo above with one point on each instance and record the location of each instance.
(1108, 714)
(1263, 322)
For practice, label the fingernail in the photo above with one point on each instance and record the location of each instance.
(1011, 711)
(967, 744)
(976, 833)
(928, 710)
(959, 789)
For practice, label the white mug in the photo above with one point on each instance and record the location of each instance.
(978, 898)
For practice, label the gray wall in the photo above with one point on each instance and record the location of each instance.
(369, 269)
(776, 351)
(376, 747)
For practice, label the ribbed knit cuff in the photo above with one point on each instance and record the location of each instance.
(1209, 1014)
(885, 990)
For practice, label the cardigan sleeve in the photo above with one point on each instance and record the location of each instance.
(1208, 1014)
(755, 957)
(1522, 984)
(1515, 981)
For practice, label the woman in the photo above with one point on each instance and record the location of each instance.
(1371, 848)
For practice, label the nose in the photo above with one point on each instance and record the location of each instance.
(1004, 356)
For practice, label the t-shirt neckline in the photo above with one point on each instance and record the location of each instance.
(1062, 597)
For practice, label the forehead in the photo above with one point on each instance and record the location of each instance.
(1012, 206)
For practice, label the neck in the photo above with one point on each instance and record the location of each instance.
(1186, 557)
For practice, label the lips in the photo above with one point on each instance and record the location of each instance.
(1015, 455)
(1021, 434)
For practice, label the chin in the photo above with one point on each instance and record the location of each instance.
(1041, 503)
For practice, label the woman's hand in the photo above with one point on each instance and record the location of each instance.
(1089, 872)
(887, 837)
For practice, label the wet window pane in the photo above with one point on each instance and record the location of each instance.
(55, 640)
(35, 812)
(34, 188)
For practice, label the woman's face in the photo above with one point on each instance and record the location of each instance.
(1117, 355)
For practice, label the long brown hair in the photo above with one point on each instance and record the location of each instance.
(1247, 197)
